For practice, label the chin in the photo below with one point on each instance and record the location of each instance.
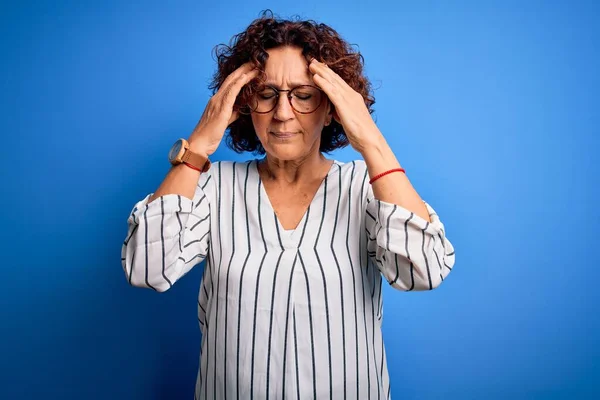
(285, 154)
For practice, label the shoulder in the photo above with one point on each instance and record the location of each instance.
(351, 164)
(354, 168)
(228, 168)
(227, 164)
(217, 179)
(352, 176)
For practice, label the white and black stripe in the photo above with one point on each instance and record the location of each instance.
(287, 314)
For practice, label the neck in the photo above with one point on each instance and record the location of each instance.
(292, 172)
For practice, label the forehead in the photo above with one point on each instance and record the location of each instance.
(287, 66)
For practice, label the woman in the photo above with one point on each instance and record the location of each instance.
(295, 243)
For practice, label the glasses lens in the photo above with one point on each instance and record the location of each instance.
(306, 99)
(265, 100)
(245, 110)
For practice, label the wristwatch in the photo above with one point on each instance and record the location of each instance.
(181, 153)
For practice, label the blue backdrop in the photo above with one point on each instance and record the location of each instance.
(492, 107)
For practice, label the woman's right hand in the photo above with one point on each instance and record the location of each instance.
(219, 112)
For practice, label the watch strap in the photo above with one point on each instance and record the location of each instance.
(195, 159)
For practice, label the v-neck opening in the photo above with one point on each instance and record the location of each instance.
(290, 236)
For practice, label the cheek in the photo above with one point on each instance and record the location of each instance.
(315, 124)
(260, 123)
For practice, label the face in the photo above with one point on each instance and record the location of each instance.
(286, 134)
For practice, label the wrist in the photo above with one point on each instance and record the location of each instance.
(375, 146)
(194, 157)
(379, 157)
(200, 147)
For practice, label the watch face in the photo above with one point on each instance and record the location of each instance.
(175, 150)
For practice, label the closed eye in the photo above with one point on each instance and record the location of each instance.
(267, 96)
(303, 96)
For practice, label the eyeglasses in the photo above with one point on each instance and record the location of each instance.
(304, 99)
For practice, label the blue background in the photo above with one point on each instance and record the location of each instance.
(492, 107)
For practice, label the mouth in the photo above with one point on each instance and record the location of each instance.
(283, 135)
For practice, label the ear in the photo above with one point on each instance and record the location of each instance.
(336, 116)
(331, 113)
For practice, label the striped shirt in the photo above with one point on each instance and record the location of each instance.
(287, 314)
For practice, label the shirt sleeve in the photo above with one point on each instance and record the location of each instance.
(410, 252)
(167, 237)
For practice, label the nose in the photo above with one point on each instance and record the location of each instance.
(283, 109)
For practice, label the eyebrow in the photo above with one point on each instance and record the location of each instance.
(292, 84)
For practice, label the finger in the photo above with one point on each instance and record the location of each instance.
(232, 91)
(317, 67)
(329, 88)
(235, 75)
(242, 69)
(242, 80)
(314, 66)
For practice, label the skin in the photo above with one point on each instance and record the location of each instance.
(293, 166)
(366, 138)
(291, 160)
(295, 162)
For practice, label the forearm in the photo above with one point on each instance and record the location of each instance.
(394, 188)
(165, 239)
(180, 179)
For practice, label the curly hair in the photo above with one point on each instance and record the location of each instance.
(316, 40)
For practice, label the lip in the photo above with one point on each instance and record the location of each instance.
(283, 135)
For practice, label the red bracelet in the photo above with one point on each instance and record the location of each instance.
(385, 173)
(191, 166)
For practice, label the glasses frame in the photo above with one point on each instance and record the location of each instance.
(289, 97)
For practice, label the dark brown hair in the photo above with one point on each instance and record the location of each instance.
(316, 40)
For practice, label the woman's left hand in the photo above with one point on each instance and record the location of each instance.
(350, 108)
